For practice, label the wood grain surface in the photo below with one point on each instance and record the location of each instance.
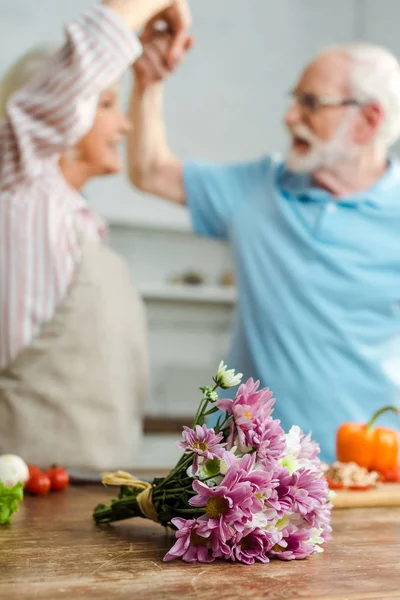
(386, 494)
(53, 550)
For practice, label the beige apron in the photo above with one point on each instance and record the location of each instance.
(75, 396)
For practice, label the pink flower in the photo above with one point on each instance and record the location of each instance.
(320, 518)
(202, 442)
(309, 491)
(303, 492)
(249, 403)
(309, 449)
(284, 498)
(302, 450)
(249, 398)
(190, 545)
(263, 481)
(231, 506)
(252, 545)
(233, 502)
(267, 438)
(218, 537)
(295, 544)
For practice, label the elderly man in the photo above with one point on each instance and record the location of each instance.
(315, 235)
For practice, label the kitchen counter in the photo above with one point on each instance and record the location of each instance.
(53, 550)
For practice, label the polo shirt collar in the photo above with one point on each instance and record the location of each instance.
(298, 186)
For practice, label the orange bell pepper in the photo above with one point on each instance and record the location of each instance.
(375, 448)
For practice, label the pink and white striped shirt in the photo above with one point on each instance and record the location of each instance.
(42, 219)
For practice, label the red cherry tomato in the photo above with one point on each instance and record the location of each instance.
(59, 478)
(33, 470)
(334, 485)
(38, 484)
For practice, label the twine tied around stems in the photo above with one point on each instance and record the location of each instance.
(144, 498)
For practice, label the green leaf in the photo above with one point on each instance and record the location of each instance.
(218, 425)
(211, 411)
(9, 501)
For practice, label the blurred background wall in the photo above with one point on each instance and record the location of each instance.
(225, 103)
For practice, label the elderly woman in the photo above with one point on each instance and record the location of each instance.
(72, 340)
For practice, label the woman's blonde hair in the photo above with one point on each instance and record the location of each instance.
(26, 67)
(22, 71)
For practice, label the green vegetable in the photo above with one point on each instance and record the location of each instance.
(9, 501)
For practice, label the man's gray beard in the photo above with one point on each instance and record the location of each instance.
(303, 164)
(323, 154)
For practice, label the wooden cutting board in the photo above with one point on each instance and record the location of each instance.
(386, 494)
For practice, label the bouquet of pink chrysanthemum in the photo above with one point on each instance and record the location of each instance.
(243, 491)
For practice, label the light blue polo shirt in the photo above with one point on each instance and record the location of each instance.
(318, 313)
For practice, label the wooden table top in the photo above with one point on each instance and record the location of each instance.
(53, 550)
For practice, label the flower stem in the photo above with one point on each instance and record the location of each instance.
(181, 466)
(222, 426)
(123, 508)
(190, 511)
(170, 493)
(201, 412)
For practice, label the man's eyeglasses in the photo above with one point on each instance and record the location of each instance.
(313, 103)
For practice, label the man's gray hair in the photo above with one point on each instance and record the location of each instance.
(375, 77)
